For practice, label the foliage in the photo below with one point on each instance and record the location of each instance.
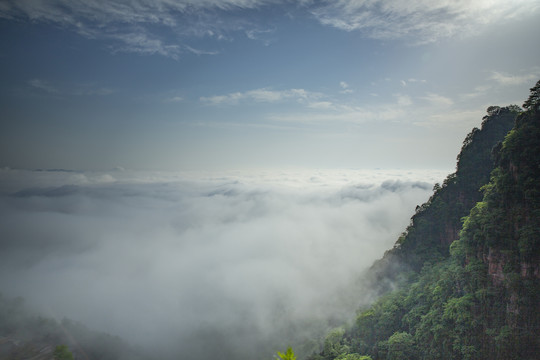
(534, 98)
(479, 299)
(288, 355)
(436, 223)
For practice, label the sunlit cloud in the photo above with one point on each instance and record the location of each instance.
(423, 21)
(263, 96)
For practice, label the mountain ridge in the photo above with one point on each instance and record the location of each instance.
(481, 300)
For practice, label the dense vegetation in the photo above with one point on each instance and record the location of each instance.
(437, 223)
(472, 294)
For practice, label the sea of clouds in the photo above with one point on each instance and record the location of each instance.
(202, 265)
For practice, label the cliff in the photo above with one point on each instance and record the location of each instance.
(436, 223)
(477, 298)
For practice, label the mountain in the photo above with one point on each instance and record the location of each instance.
(436, 223)
(28, 335)
(470, 291)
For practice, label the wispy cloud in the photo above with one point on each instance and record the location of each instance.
(140, 26)
(143, 43)
(43, 86)
(437, 100)
(87, 89)
(422, 20)
(264, 96)
(265, 36)
(163, 27)
(199, 51)
(507, 79)
(345, 88)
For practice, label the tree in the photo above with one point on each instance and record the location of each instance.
(353, 357)
(400, 346)
(493, 110)
(61, 352)
(534, 98)
(288, 355)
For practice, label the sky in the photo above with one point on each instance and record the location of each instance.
(234, 84)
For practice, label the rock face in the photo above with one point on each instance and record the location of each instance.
(496, 262)
(504, 233)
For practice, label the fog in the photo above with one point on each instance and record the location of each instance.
(200, 265)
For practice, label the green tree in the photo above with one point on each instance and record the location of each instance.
(534, 98)
(400, 346)
(288, 355)
(353, 357)
(61, 352)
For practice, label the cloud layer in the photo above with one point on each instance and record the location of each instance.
(165, 27)
(422, 20)
(198, 264)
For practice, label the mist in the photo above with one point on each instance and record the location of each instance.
(200, 265)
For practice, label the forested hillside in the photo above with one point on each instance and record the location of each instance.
(479, 297)
(437, 223)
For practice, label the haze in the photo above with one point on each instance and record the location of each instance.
(198, 266)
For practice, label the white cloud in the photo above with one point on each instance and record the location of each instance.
(345, 87)
(143, 43)
(347, 114)
(264, 96)
(136, 24)
(507, 79)
(477, 91)
(423, 20)
(265, 36)
(321, 105)
(199, 51)
(144, 25)
(162, 258)
(438, 100)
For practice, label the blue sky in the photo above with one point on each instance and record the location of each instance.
(179, 85)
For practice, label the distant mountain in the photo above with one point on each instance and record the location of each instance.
(469, 291)
(25, 335)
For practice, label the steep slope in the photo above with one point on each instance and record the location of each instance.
(501, 238)
(436, 223)
(481, 302)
